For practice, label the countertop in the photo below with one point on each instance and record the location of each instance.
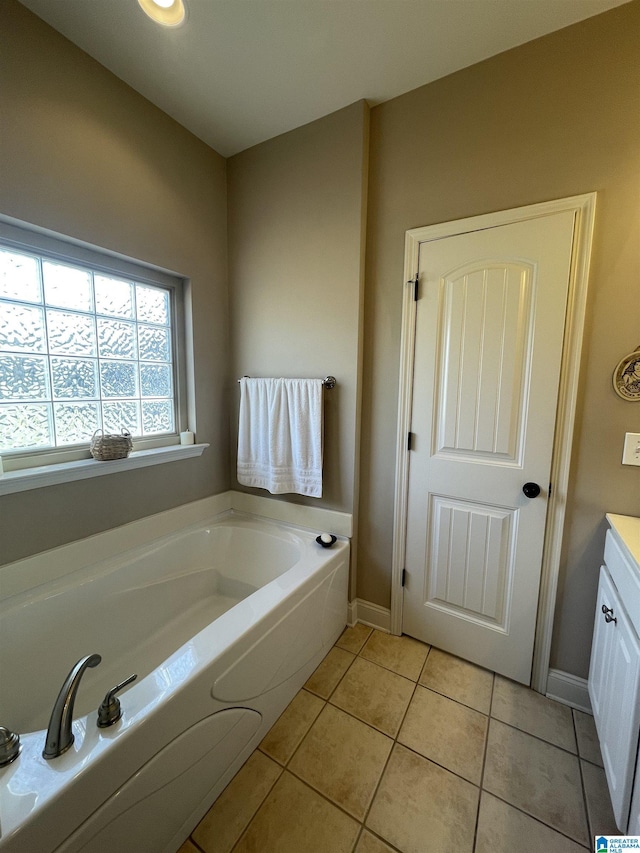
(628, 529)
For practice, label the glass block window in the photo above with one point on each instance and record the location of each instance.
(81, 350)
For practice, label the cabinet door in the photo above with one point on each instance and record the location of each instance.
(614, 688)
(600, 655)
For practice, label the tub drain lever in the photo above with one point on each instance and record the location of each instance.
(110, 711)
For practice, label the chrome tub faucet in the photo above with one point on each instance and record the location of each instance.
(59, 734)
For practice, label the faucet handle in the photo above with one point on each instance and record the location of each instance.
(9, 746)
(110, 711)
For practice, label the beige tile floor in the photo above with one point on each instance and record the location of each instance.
(395, 746)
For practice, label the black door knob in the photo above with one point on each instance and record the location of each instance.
(531, 490)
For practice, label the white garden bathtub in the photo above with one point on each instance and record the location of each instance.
(222, 623)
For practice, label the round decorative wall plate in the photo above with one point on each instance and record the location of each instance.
(626, 377)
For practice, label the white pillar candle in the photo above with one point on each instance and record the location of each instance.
(187, 437)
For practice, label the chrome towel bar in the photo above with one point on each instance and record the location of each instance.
(328, 382)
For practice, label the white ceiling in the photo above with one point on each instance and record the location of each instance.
(238, 72)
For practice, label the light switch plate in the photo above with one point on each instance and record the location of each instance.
(631, 452)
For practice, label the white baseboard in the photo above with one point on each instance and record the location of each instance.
(569, 689)
(369, 614)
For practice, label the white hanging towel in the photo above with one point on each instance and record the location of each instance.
(280, 435)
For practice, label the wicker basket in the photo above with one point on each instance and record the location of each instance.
(105, 447)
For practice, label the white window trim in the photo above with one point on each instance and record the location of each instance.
(25, 469)
(66, 472)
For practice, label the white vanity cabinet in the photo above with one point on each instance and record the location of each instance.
(614, 675)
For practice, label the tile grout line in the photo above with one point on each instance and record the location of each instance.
(358, 837)
(582, 784)
(589, 761)
(257, 809)
(436, 763)
(484, 763)
(444, 695)
(315, 791)
(385, 841)
(325, 699)
(366, 722)
(341, 679)
(537, 737)
(395, 672)
(536, 819)
(284, 765)
(375, 790)
(246, 829)
(264, 799)
(394, 744)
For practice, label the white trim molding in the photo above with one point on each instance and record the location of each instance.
(369, 614)
(24, 479)
(583, 208)
(569, 689)
(411, 252)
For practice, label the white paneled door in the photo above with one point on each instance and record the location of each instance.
(489, 333)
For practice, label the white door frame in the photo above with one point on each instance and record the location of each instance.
(583, 207)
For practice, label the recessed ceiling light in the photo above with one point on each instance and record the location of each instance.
(169, 13)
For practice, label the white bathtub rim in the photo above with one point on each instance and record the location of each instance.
(30, 572)
(101, 567)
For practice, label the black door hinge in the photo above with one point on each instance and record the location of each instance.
(404, 577)
(415, 281)
(410, 441)
(549, 489)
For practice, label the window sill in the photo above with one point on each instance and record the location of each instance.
(66, 472)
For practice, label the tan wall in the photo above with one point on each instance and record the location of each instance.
(84, 155)
(295, 268)
(553, 118)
